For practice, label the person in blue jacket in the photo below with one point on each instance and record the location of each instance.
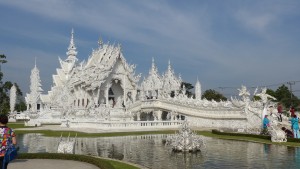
(295, 126)
(266, 122)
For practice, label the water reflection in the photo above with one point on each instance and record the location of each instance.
(150, 151)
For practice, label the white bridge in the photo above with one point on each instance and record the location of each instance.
(189, 110)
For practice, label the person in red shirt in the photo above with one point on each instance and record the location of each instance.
(7, 136)
(279, 110)
(292, 110)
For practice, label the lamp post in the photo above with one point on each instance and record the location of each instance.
(291, 91)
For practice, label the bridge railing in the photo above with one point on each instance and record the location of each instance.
(129, 124)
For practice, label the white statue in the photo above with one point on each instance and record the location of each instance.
(264, 96)
(13, 97)
(244, 93)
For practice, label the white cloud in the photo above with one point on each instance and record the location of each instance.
(168, 31)
(256, 22)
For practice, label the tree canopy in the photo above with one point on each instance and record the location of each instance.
(4, 93)
(213, 95)
(188, 87)
(288, 99)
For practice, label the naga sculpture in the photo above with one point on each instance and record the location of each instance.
(66, 146)
(186, 140)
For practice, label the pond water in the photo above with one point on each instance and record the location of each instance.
(150, 151)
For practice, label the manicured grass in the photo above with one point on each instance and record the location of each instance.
(17, 125)
(251, 138)
(99, 162)
(119, 165)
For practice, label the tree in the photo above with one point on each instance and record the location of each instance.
(4, 92)
(20, 105)
(3, 59)
(283, 95)
(188, 87)
(213, 95)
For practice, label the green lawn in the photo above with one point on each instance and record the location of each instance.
(97, 161)
(248, 138)
(17, 125)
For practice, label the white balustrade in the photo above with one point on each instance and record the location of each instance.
(117, 124)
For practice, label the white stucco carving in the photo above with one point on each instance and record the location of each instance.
(33, 99)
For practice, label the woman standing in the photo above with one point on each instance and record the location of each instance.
(294, 122)
(292, 110)
(7, 137)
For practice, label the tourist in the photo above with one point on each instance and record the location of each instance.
(266, 122)
(292, 110)
(279, 110)
(289, 133)
(7, 137)
(271, 108)
(295, 126)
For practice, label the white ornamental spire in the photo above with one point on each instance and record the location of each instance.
(153, 67)
(35, 88)
(198, 91)
(13, 97)
(72, 53)
(169, 66)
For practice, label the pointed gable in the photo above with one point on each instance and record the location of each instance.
(170, 81)
(153, 81)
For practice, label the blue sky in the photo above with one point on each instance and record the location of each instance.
(223, 43)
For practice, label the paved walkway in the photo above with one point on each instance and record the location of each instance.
(49, 164)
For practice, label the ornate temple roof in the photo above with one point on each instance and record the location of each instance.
(170, 81)
(153, 81)
(99, 65)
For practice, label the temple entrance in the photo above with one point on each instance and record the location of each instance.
(115, 94)
(146, 116)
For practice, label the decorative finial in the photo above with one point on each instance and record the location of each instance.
(153, 64)
(169, 65)
(100, 42)
(71, 53)
(72, 38)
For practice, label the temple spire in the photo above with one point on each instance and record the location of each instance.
(198, 91)
(100, 42)
(153, 64)
(169, 66)
(72, 53)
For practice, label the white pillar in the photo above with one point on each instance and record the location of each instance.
(124, 87)
(106, 95)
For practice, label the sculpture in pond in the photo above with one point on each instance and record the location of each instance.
(66, 146)
(186, 140)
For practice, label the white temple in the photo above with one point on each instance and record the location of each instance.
(104, 91)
